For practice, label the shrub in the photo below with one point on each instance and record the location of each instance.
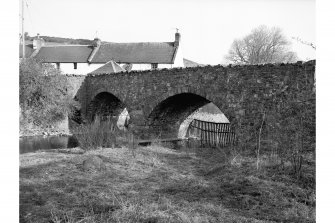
(44, 97)
(99, 133)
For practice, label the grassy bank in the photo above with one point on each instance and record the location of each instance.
(162, 185)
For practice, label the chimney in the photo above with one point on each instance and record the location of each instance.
(177, 39)
(96, 42)
(38, 42)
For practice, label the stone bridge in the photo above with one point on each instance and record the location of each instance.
(158, 101)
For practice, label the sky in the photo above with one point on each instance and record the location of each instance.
(207, 27)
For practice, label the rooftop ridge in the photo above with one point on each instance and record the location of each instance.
(65, 45)
(104, 43)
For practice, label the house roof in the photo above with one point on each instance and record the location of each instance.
(109, 67)
(28, 50)
(137, 53)
(64, 53)
(190, 63)
(145, 52)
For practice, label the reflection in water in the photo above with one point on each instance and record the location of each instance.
(34, 143)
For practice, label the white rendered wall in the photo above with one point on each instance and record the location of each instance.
(140, 66)
(162, 66)
(85, 68)
(82, 68)
(148, 66)
(178, 60)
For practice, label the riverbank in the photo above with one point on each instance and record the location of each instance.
(29, 129)
(157, 184)
(43, 132)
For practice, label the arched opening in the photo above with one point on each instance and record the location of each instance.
(106, 106)
(207, 113)
(175, 113)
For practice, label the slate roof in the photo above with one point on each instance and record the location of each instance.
(136, 53)
(65, 53)
(190, 63)
(145, 52)
(28, 50)
(109, 67)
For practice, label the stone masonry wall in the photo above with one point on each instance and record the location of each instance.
(226, 87)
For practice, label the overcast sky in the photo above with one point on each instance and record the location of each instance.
(207, 27)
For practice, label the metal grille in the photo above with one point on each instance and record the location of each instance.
(211, 133)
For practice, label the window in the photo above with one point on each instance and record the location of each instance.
(154, 66)
(75, 66)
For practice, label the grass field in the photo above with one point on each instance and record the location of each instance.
(159, 184)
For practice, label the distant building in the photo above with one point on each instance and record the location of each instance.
(84, 59)
(108, 68)
(190, 63)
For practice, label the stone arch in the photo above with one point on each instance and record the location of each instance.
(105, 104)
(176, 91)
(174, 107)
(103, 89)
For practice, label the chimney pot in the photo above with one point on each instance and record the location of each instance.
(97, 42)
(38, 42)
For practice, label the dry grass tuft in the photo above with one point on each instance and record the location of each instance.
(96, 134)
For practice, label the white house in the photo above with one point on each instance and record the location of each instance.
(83, 59)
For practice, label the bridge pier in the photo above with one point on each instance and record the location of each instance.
(142, 129)
(138, 125)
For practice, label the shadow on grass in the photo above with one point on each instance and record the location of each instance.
(240, 188)
(69, 193)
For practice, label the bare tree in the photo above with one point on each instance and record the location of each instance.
(262, 45)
